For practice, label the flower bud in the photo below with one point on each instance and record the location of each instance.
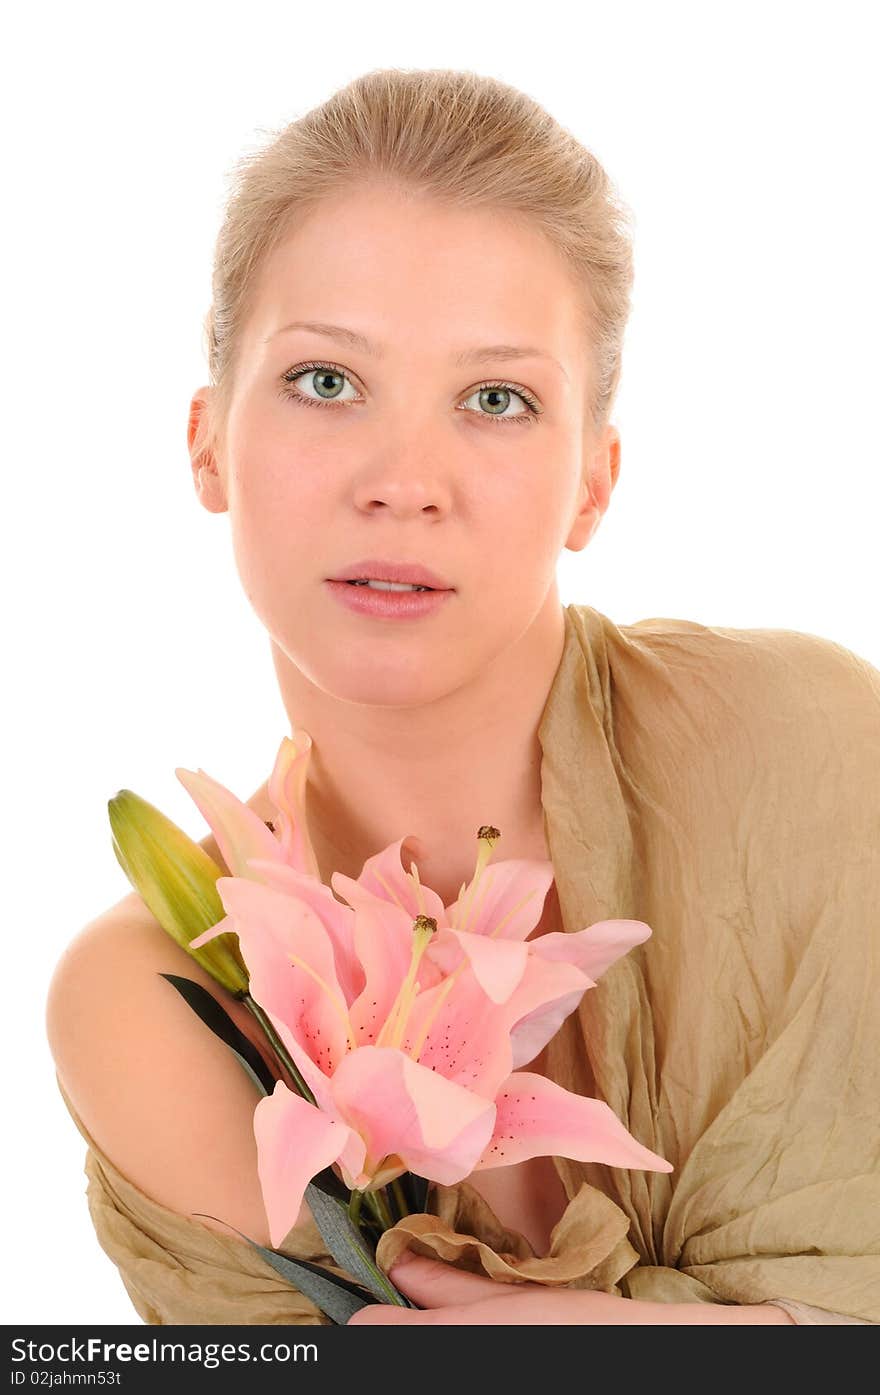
(176, 879)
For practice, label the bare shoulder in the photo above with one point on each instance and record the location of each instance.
(161, 1095)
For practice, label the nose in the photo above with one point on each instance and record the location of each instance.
(404, 479)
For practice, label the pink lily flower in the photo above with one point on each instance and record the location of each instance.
(243, 837)
(407, 1023)
(241, 834)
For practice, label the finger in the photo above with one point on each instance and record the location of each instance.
(491, 1312)
(384, 1315)
(429, 1281)
(433, 1284)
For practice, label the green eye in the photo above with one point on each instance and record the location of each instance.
(325, 378)
(328, 381)
(495, 398)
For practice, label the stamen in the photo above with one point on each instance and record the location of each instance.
(382, 882)
(488, 882)
(414, 874)
(513, 910)
(487, 837)
(424, 927)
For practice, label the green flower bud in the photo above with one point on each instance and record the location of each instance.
(176, 879)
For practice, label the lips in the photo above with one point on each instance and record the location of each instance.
(386, 606)
(373, 569)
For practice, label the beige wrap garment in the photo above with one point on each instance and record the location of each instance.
(722, 785)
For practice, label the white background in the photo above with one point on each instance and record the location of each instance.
(743, 137)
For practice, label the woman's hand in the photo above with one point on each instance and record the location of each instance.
(447, 1295)
(450, 1296)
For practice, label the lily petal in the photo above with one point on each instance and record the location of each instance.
(291, 964)
(314, 1077)
(595, 949)
(398, 1106)
(383, 878)
(493, 903)
(548, 992)
(498, 964)
(337, 919)
(239, 832)
(383, 936)
(287, 792)
(465, 1036)
(295, 1141)
(538, 1118)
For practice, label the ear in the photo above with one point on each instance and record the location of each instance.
(207, 478)
(601, 468)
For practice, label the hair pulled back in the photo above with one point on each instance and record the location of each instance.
(460, 137)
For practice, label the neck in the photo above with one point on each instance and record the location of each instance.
(434, 772)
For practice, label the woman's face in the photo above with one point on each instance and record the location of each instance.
(396, 451)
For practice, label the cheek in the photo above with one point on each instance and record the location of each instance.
(269, 527)
(530, 519)
(278, 497)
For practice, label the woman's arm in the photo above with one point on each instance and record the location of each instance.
(704, 1314)
(160, 1094)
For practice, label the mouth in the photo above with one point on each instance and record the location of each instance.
(376, 585)
(379, 574)
(388, 600)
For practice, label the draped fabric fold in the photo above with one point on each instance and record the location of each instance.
(722, 785)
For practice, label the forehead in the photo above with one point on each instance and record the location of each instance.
(396, 261)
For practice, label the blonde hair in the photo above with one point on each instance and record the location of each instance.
(462, 138)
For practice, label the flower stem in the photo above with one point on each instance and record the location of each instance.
(354, 1206)
(373, 1205)
(399, 1197)
(382, 1209)
(278, 1046)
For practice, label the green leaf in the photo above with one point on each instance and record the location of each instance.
(328, 1183)
(336, 1297)
(205, 1005)
(350, 1248)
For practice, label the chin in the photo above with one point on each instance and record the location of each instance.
(374, 686)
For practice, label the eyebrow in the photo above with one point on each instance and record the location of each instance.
(358, 341)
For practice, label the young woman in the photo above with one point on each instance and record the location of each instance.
(419, 300)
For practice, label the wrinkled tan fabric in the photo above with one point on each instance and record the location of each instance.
(722, 785)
